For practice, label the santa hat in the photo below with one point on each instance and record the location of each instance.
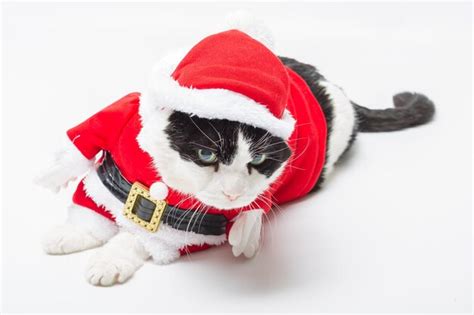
(228, 75)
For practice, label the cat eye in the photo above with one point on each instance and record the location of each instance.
(258, 159)
(207, 156)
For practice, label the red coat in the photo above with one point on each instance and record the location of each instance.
(115, 129)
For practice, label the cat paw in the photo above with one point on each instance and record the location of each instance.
(107, 272)
(66, 239)
(117, 261)
(244, 235)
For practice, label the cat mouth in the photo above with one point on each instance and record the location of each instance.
(224, 201)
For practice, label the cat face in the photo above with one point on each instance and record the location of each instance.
(221, 163)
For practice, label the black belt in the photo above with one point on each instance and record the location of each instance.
(143, 209)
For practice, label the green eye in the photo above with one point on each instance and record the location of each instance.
(258, 159)
(207, 156)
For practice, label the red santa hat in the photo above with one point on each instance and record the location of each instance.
(228, 75)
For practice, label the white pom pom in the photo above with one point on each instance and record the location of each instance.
(159, 191)
(255, 28)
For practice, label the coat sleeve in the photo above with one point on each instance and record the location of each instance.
(100, 131)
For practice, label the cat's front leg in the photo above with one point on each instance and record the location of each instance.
(244, 236)
(83, 229)
(117, 261)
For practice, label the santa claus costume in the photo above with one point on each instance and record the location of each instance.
(228, 75)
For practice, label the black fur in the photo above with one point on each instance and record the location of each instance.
(275, 148)
(313, 78)
(187, 134)
(411, 109)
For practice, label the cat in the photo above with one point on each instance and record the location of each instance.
(218, 169)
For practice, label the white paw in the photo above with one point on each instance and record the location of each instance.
(67, 238)
(106, 272)
(244, 236)
(117, 261)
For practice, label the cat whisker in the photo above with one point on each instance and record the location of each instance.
(286, 141)
(263, 138)
(177, 206)
(203, 132)
(221, 140)
(301, 153)
(200, 222)
(202, 145)
(181, 218)
(267, 220)
(288, 165)
(199, 213)
(272, 152)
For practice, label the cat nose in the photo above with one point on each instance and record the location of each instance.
(231, 197)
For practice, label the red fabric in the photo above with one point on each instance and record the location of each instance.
(308, 143)
(234, 61)
(80, 198)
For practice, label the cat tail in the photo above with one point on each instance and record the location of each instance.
(410, 109)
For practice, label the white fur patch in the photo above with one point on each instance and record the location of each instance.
(342, 124)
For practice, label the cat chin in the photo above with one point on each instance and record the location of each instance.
(223, 204)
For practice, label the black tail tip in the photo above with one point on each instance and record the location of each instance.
(420, 107)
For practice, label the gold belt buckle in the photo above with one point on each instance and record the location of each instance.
(140, 191)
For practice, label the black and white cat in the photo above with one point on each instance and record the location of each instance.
(224, 164)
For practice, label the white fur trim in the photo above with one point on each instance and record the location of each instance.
(245, 22)
(159, 190)
(342, 123)
(175, 238)
(165, 92)
(68, 164)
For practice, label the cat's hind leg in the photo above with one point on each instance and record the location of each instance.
(83, 229)
(117, 260)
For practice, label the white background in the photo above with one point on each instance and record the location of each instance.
(390, 232)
